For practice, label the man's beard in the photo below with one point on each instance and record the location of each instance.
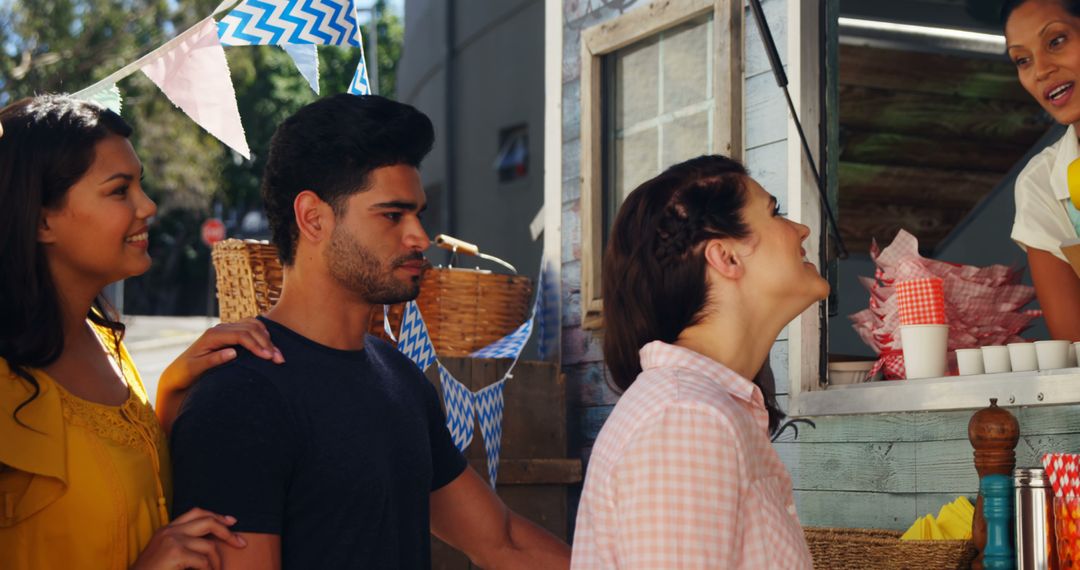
(359, 270)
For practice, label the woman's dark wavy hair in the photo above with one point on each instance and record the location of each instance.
(653, 278)
(47, 145)
(1071, 6)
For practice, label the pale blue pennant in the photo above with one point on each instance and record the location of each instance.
(459, 409)
(413, 338)
(488, 405)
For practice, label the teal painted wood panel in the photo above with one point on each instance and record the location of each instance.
(927, 426)
(862, 467)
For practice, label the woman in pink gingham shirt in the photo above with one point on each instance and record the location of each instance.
(700, 275)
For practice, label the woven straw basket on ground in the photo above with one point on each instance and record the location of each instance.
(865, 549)
(465, 310)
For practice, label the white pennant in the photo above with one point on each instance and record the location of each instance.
(194, 75)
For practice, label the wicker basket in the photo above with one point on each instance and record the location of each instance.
(464, 310)
(865, 549)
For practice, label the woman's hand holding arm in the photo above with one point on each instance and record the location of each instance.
(192, 540)
(213, 348)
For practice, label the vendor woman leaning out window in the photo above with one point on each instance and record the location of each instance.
(1043, 39)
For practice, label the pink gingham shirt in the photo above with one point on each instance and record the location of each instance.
(683, 475)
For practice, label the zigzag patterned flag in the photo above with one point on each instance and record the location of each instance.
(508, 346)
(488, 404)
(459, 409)
(547, 314)
(413, 338)
(359, 84)
(275, 22)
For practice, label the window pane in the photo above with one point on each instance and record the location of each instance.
(658, 107)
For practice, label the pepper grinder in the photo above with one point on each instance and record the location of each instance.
(993, 432)
(996, 491)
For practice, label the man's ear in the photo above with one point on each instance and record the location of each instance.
(721, 256)
(314, 217)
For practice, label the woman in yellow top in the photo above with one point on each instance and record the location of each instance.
(84, 467)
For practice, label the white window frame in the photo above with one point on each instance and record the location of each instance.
(608, 37)
(807, 397)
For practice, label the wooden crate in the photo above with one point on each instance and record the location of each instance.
(534, 473)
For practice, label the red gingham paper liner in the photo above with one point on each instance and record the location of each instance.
(983, 305)
(921, 301)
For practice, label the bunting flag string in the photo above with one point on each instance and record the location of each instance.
(459, 409)
(462, 405)
(191, 69)
(298, 23)
(488, 404)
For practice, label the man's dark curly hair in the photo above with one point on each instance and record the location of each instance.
(330, 147)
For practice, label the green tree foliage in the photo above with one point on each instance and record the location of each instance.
(66, 45)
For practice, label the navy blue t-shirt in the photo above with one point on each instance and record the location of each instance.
(335, 451)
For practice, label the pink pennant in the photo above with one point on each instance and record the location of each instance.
(194, 75)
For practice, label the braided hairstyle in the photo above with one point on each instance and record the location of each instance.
(47, 146)
(653, 278)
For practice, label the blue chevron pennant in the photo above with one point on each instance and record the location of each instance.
(359, 84)
(508, 346)
(459, 409)
(413, 338)
(276, 22)
(546, 313)
(488, 406)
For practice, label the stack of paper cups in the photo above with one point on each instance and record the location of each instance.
(923, 332)
(924, 350)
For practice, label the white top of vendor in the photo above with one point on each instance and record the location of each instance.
(1042, 190)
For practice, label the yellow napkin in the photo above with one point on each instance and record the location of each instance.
(953, 522)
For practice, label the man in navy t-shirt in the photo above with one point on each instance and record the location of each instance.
(340, 457)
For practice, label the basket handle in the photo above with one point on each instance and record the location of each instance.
(455, 245)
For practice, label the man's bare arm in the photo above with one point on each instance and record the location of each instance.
(469, 516)
(263, 552)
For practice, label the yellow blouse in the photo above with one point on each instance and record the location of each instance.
(82, 485)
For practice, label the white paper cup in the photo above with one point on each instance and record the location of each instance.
(996, 359)
(970, 361)
(1052, 354)
(924, 350)
(1022, 356)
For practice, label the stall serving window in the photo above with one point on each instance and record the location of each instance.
(924, 126)
(659, 85)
